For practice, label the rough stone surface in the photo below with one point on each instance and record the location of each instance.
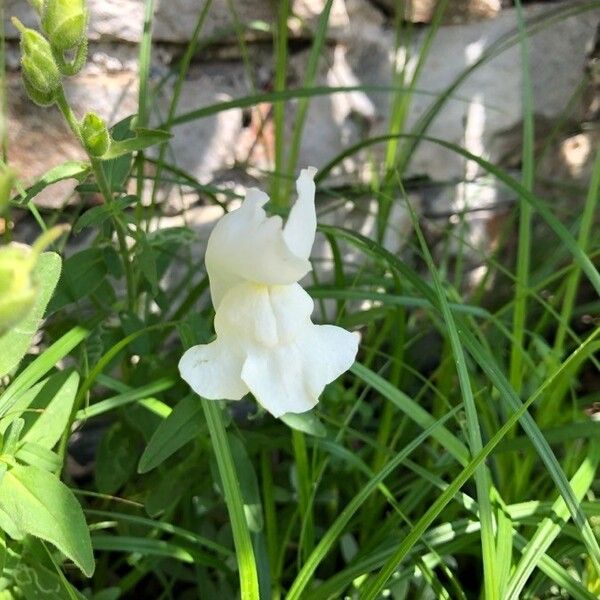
(228, 146)
(457, 11)
(486, 104)
(174, 21)
(206, 146)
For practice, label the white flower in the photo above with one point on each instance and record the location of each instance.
(266, 342)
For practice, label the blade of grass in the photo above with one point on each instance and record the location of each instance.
(413, 410)
(513, 403)
(304, 482)
(185, 534)
(41, 365)
(297, 590)
(483, 481)
(539, 205)
(524, 240)
(374, 587)
(551, 526)
(248, 573)
(502, 44)
(280, 44)
(284, 95)
(134, 395)
(587, 220)
(400, 109)
(316, 50)
(144, 59)
(174, 103)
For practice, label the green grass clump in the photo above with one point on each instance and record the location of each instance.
(456, 459)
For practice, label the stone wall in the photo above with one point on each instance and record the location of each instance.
(483, 114)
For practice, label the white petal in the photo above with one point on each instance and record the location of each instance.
(299, 231)
(246, 245)
(264, 315)
(290, 378)
(213, 370)
(245, 315)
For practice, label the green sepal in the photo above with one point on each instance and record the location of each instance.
(64, 22)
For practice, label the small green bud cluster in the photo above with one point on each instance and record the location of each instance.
(41, 76)
(63, 24)
(43, 62)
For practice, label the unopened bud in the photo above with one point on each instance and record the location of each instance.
(39, 71)
(64, 22)
(94, 134)
(17, 289)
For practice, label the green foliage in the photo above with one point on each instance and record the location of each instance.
(35, 502)
(28, 301)
(456, 459)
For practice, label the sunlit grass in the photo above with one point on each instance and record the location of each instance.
(456, 459)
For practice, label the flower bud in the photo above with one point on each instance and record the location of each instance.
(94, 134)
(64, 22)
(39, 71)
(17, 289)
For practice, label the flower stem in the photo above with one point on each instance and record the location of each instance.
(105, 191)
(235, 504)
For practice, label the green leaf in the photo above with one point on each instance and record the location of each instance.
(117, 169)
(39, 504)
(144, 138)
(306, 422)
(70, 170)
(38, 456)
(36, 582)
(82, 274)
(248, 484)
(116, 458)
(48, 405)
(40, 366)
(15, 343)
(97, 215)
(179, 428)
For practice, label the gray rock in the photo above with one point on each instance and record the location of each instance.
(486, 104)
(174, 19)
(457, 11)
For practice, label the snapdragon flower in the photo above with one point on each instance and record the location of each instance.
(266, 342)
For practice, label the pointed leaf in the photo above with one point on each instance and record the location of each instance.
(179, 428)
(15, 343)
(39, 504)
